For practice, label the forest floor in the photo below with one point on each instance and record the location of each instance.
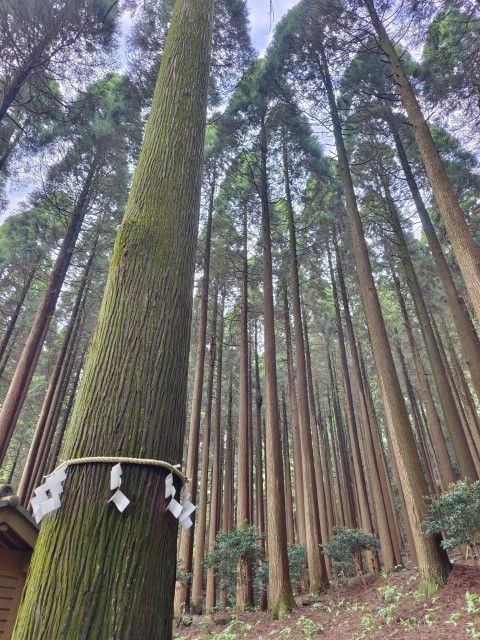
(388, 607)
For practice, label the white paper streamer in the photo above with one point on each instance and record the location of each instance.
(119, 499)
(47, 495)
(181, 511)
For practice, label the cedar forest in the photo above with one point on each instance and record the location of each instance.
(263, 268)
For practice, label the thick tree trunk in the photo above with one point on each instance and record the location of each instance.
(433, 562)
(280, 595)
(27, 363)
(97, 573)
(466, 251)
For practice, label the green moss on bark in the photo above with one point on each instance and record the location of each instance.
(97, 573)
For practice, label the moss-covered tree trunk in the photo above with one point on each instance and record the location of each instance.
(97, 573)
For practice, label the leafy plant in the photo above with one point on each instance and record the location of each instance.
(240, 547)
(456, 513)
(345, 547)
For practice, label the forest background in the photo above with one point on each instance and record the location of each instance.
(334, 352)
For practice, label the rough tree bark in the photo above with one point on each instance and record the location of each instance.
(97, 573)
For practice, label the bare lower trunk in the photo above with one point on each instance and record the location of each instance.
(197, 581)
(27, 363)
(463, 323)
(215, 490)
(185, 550)
(433, 561)
(280, 595)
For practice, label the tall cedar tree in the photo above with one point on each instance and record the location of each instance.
(119, 572)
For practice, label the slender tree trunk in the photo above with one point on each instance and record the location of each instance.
(325, 464)
(215, 490)
(422, 447)
(197, 581)
(434, 565)
(317, 571)
(14, 317)
(244, 571)
(447, 402)
(463, 323)
(288, 478)
(469, 428)
(227, 510)
(445, 464)
(260, 520)
(383, 525)
(13, 468)
(27, 363)
(39, 448)
(344, 476)
(466, 251)
(66, 416)
(97, 573)
(263, 603)
(317, 459)
(461, 385)
(280, 595)
(297, 445)
(185, 550)
(365, 516)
